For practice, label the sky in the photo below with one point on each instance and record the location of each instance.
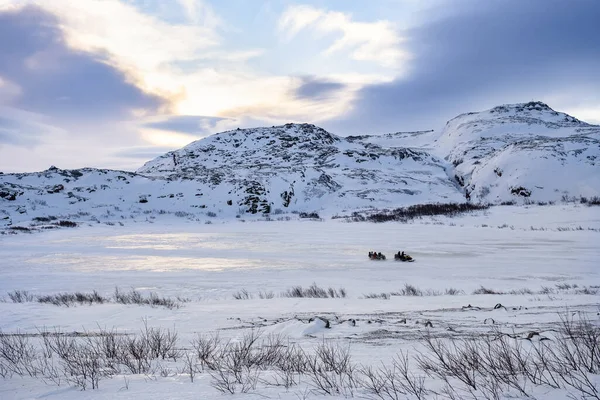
(115, 83)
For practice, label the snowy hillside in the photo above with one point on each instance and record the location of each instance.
(305, 167)
(523, 150)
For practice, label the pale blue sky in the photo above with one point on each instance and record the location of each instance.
(110, 83)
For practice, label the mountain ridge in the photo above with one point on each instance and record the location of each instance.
(521, 152)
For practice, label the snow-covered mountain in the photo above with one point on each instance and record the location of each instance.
(305, 167)
(522, 150)
(512, 152)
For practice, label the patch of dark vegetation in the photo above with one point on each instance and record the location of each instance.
(592, 201)
(49, 218)
(423, 210)
(566, 286)
(152, 299)
(81, 298)
(314, 291)
(311, 215)
(588, 290)
(508, 203)
(453, 292)
(20, 229)
(520, 291)
(266, 295)
(384, 296)
(484, 290)
(69, 299)
(242, 295)
(21, 296)
(409, 290)
(66, 224)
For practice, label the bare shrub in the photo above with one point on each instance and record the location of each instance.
(309, 215)
(384, 296)
(69, 299)
(161, 342)
(17, 355)
(66, 224)
(189, 366)
(395, 382)
(85, 367)
(136, 354)
(21, 296)
(331, 370)
(242, 295)
(593, 201)
(520, 291)
(409, 290)
(135, 297)
(484, 290)
(546, 290)
(208, 349)
(564, 286)
(266, 295)
(488, 366)
(587, 290)
(314, 291)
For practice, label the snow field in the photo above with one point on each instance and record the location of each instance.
(544, 274)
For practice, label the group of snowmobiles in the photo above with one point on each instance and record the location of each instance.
(399, 256)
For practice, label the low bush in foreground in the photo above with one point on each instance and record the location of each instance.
(491, 366)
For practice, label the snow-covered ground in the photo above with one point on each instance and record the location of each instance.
(543, 259)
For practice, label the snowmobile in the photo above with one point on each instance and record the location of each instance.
(403, 257)
(376, 256)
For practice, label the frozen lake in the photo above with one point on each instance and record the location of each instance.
(214, 260)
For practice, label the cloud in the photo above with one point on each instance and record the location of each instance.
(139, 45)
(479, 54)
(145, 153)
(199, 12)
(376, 41)
(193, 124)
(315, 88)
(52, 78)
(25, 129)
